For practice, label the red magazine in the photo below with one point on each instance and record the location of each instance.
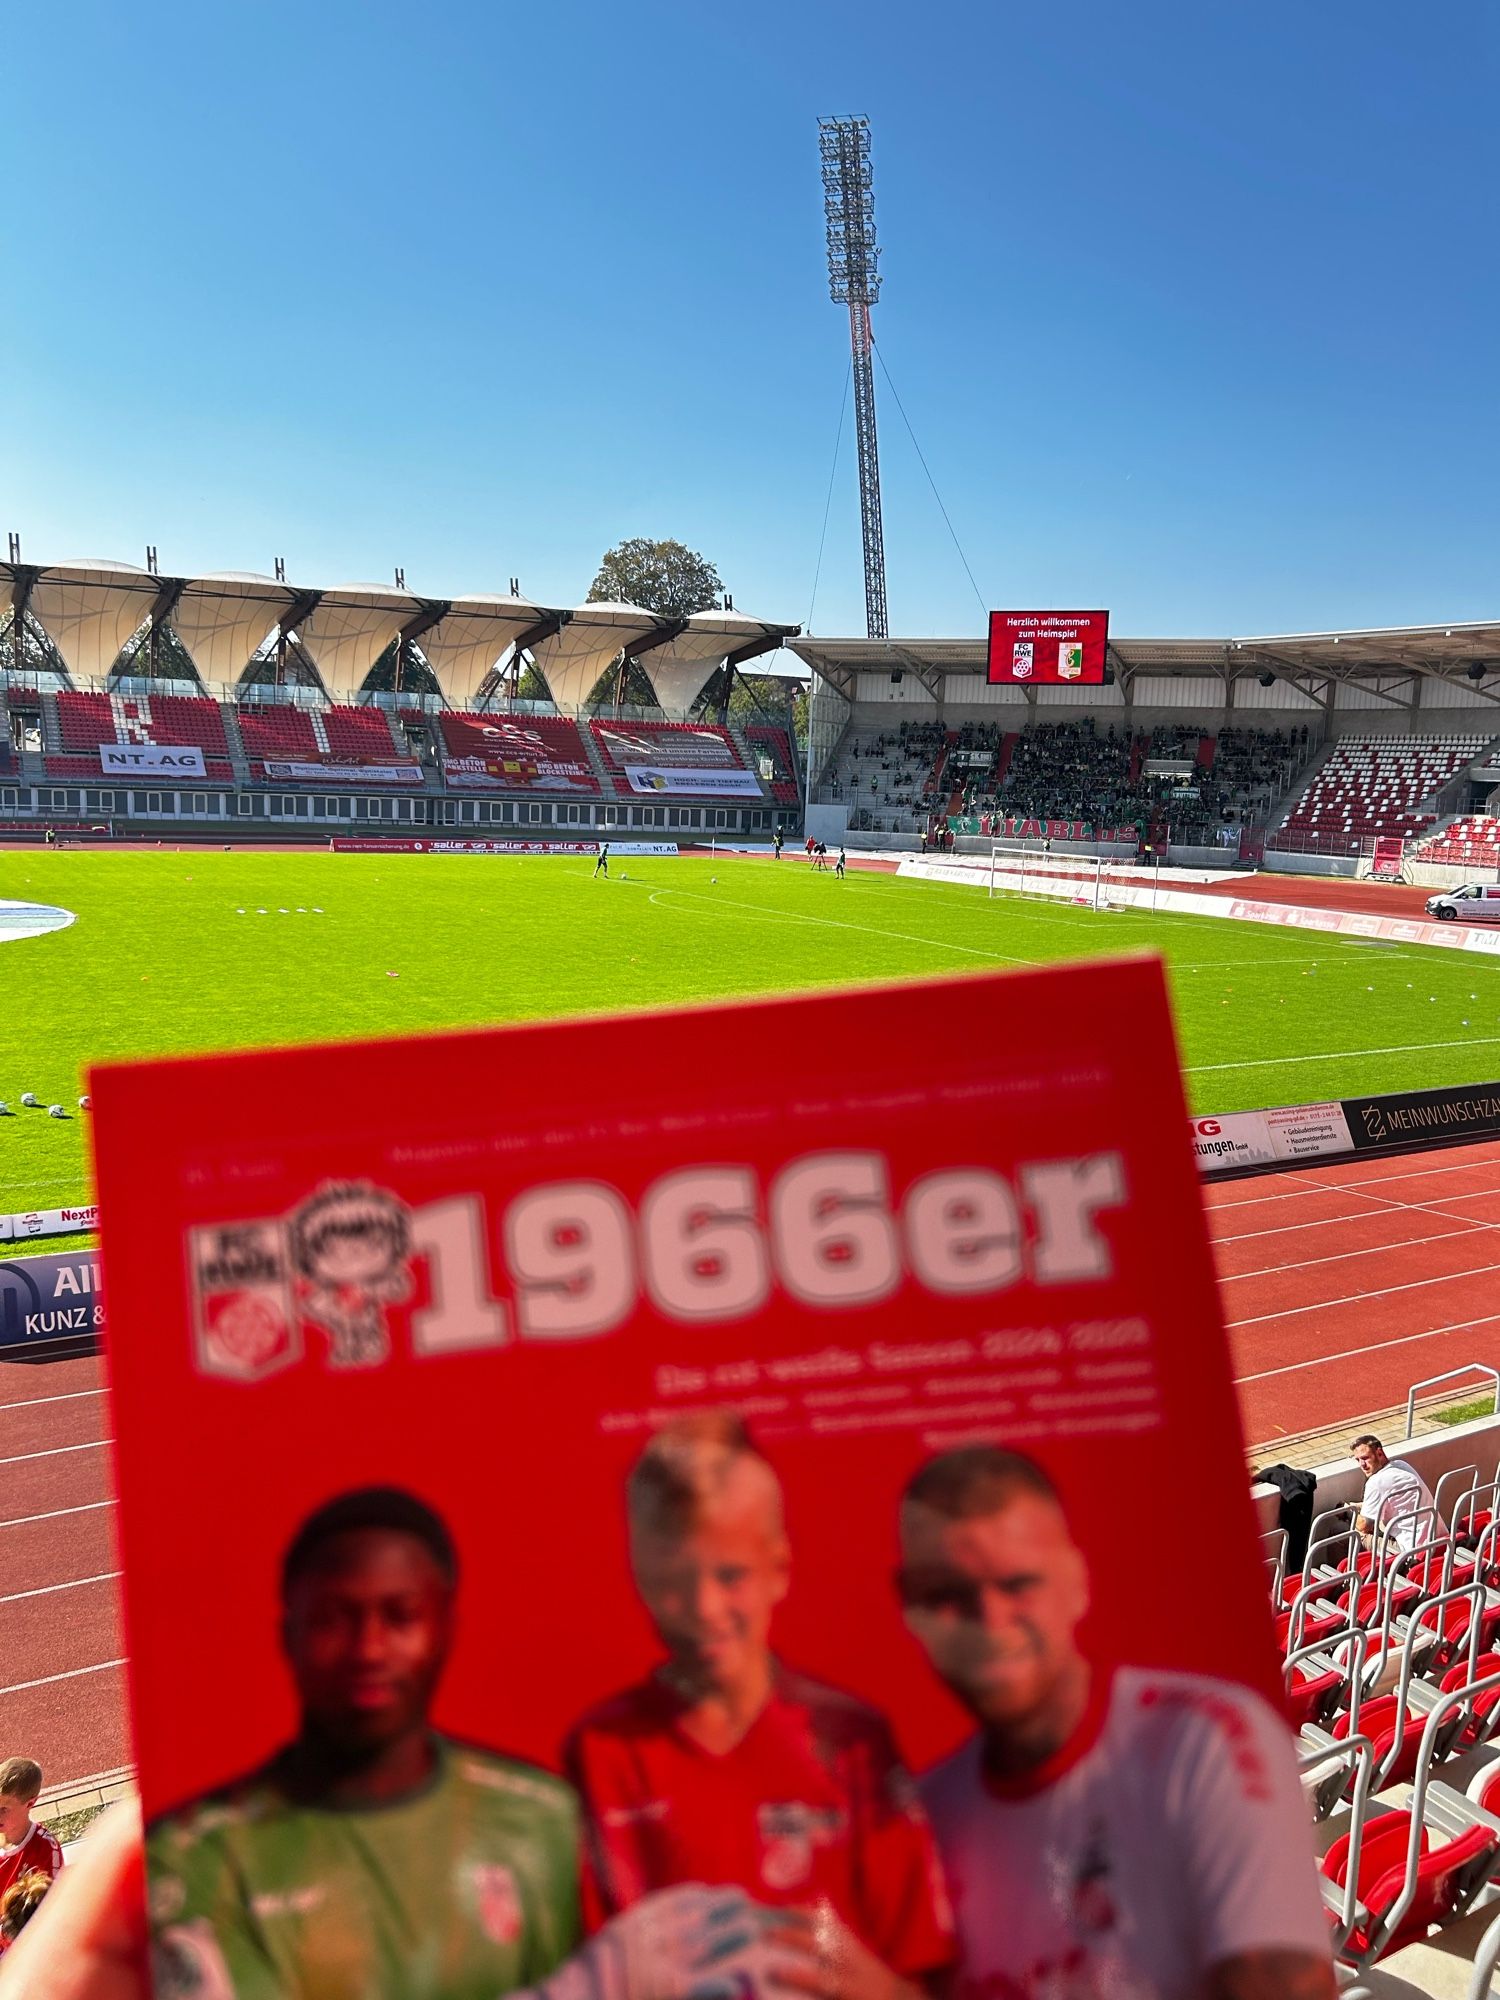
(784, 1447)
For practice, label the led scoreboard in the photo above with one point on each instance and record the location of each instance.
(1048, 648)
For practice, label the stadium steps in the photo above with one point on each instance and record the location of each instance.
(52, 743)
(750, 758)
(399, 745)
(595, 756)
(1282, 807)
(236, 743)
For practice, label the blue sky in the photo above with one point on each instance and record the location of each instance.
(1193, 308)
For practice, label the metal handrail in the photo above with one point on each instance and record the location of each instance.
(1396, 1915)
(1359, 1751)
(1431, 1382)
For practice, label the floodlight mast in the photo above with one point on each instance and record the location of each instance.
(854, 281)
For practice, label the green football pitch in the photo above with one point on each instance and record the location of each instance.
(179, 951)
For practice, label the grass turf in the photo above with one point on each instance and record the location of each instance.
(174, 952)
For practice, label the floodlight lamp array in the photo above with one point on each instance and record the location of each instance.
(849, 206)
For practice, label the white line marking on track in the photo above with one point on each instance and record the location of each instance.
(50, 1589)
(35, 1402)
(1354, 1353)
(57, 1451)
(1305, 1184)
(56, 1514)
(1338, 1256)
(73, 1674)
(1361, 1298)
(1357, 1215)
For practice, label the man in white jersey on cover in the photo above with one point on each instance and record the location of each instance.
(1394, 1498)
(1109, 1833)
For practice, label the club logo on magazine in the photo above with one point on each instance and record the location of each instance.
(337, 1262)
(244, 1327)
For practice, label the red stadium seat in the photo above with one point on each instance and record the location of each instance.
(1449, 1874)
(688, 745)
(1383, 1721)
(1376, 785)
(1485, 1715)
(86, 721)
(520, 753)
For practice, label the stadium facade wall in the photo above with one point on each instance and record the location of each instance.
(312, 812)
(1340, 1482)
(1289, 863)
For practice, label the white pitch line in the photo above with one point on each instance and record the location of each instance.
(1363, 1298)
(1343, 1055)
(1354, 1353)
(57, 1451)
(73, 1674)
(840, 924)
(51, 1589)
(57, 1513)
(1339, 1256)
(35, 1402)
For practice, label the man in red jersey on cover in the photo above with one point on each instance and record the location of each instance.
(25, 1847)
(1114, 1833)
(726, 1767)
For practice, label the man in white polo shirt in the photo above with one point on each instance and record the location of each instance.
(1131, 1833)
(1395, 1493)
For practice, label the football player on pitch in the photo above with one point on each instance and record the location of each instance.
(373, 1859)
(724, 1766)
(1137, 1833)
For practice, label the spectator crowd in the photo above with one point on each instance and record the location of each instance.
(917, 775)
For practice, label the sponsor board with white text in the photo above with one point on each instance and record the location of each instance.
(152, 760)
(345, 774)
(685, 778)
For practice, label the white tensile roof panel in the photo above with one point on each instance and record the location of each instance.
(571, 661)
(350, 629)
(470, 638)
(681, 669)
(89, 609)
(224, 620)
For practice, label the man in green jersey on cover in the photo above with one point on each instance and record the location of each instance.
(371, 1857)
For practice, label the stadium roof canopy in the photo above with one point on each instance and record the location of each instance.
(1387, 660)
(90, 610)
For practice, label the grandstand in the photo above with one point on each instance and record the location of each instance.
(1472, 842)
(1303, 747)
(1392, 1675)
(1367, 786)
(284, 733)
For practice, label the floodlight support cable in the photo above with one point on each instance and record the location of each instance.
(838, 441)
(890, 384)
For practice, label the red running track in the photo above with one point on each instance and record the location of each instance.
(1342, 1285)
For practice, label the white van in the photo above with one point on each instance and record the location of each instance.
(1475, 902)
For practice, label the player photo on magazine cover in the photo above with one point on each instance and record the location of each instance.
(653, 1528)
